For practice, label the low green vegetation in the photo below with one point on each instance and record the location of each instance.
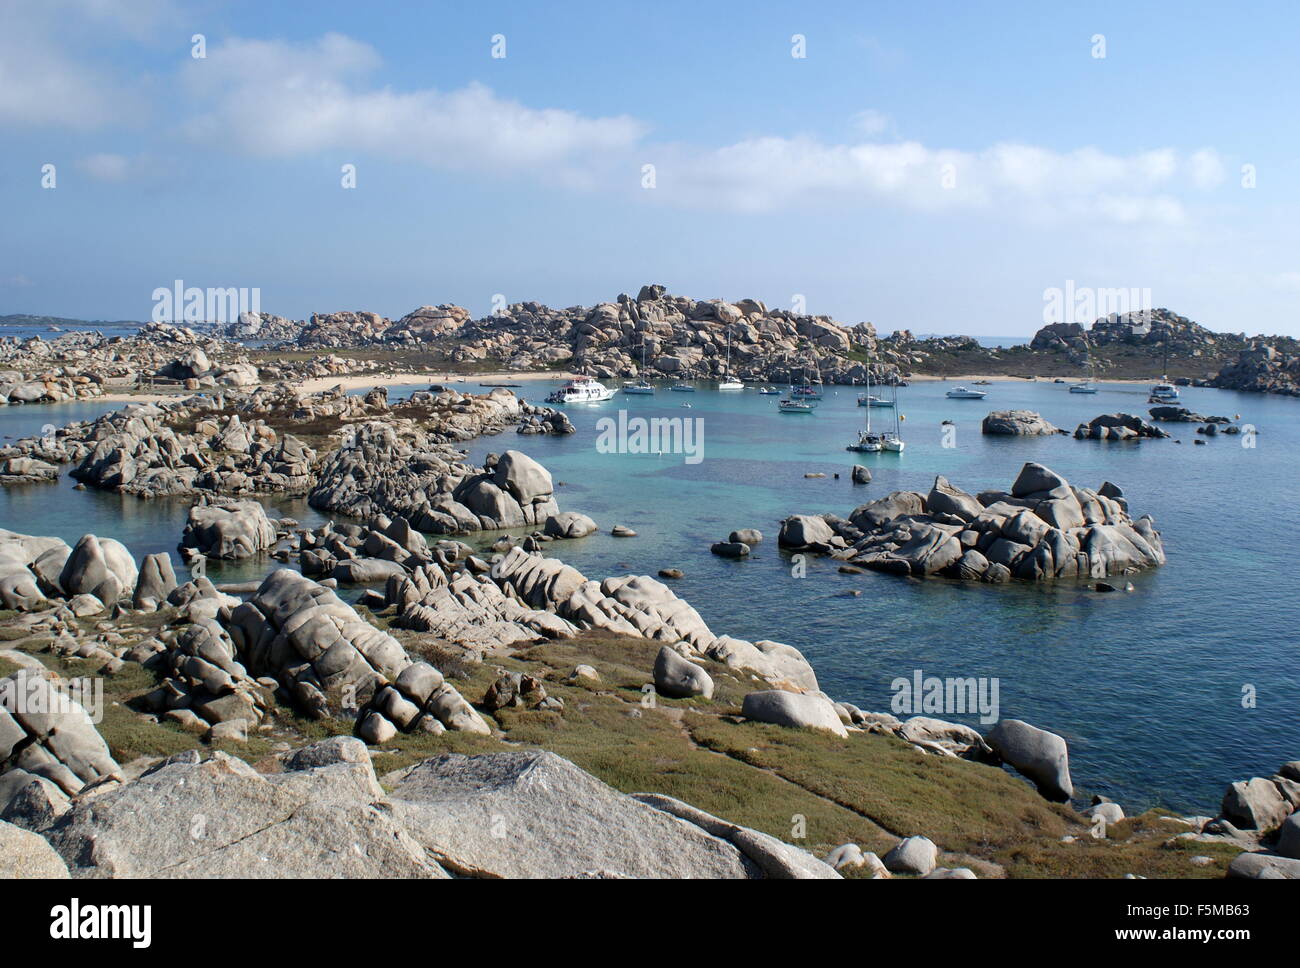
(807, 787)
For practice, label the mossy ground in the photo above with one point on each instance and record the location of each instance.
(806, 787)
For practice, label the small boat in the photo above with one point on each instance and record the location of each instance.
(682, 388)
(874, 401)
(796, 406)
(640, 386)
(769, 391)
(867, 442)
(1162, 392)
(581, 390)
(892, 440)
(963, 393)
(1058, 380)
(1083, 388)
(983, 383)
(807, 391)
(728, 381)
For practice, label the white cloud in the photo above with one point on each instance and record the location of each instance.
(50, 69)
(1207, 168)
(765, 174)
(273, 99)
(105, 166)
(872, 122)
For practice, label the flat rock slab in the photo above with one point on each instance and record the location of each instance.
(221, 818)
(535, 814)
(25, 855)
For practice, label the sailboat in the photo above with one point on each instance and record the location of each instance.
(1087, 386)
(892, 441)
(790, 404)
(729, 382)
(867, 443)
(640, 386)
(1164, 391)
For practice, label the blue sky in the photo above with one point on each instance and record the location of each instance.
(925, 166)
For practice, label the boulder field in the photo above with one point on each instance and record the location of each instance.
(1044, 528)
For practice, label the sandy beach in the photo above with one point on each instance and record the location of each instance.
(470, 382)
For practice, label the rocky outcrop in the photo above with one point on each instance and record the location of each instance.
(1262, 368)
(229, 529)
(101, 567)
(1117, 426)
(30, 568)
(381, 469)
(1044, 528)
(47, 737)
(327, 660)
(1019, 423)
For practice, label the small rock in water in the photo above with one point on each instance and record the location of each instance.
(619, 531)
(670, 573)
(730, 549)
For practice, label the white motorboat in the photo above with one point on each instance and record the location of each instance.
(769, 391)
(581, 390)
(1083, 388)
(874, 401)
(965, 393)
(796, 406)
(731, 384)
(682, 388)
(1164, 391)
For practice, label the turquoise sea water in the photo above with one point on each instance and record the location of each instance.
(1147, 686)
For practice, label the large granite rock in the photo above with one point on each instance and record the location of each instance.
(534, 814)
(232, 530)
(101, 567)
(1019, 423)
(219, 818)
(799, 710)
(1035, 753)
(28, 856)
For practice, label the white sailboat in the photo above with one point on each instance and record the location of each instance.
(729, 382)
(641, 386)
(892, 440)
(867, 442)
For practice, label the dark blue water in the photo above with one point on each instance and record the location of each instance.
(1145, 686)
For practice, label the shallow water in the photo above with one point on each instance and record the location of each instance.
(1145, 686)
